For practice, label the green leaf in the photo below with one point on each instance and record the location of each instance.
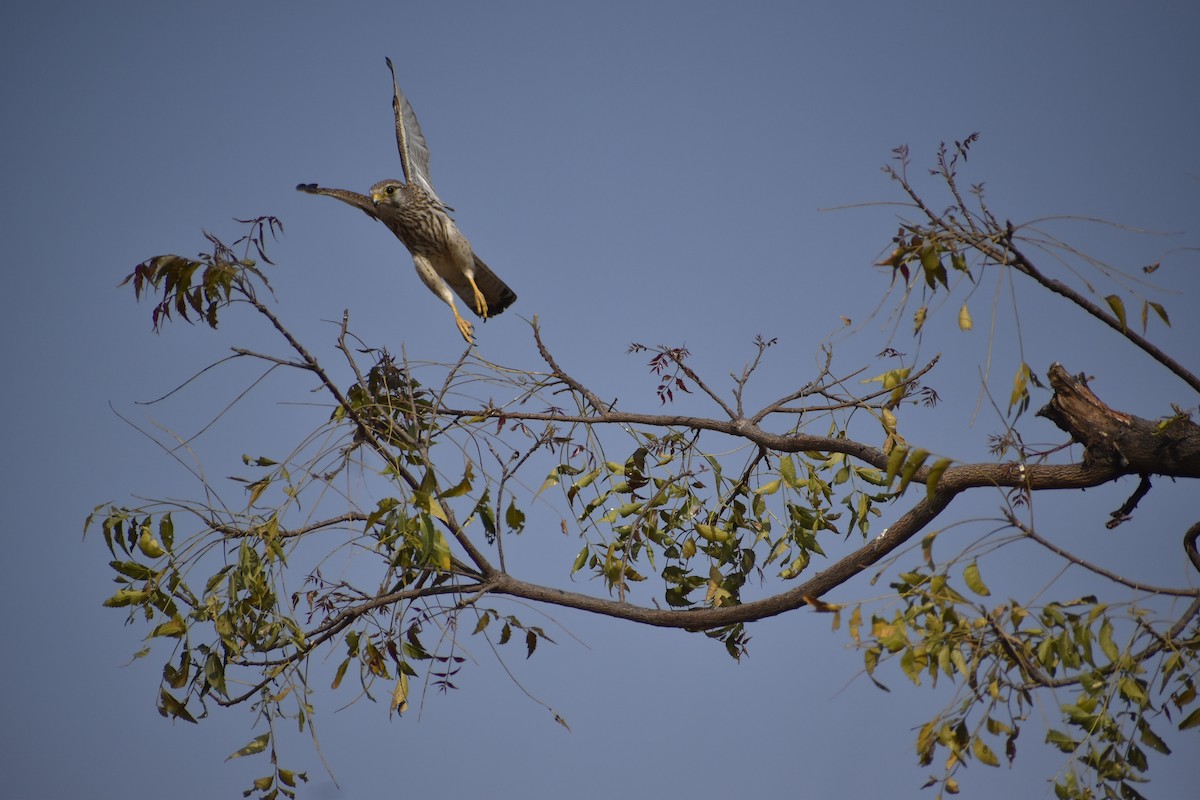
(1192, 720)
(463, 486)
(1118, 308)
(427, 502)
(214, 673)
(173, 628)
(1162, 313)
(580, 560)
(712, 534)
(255, 745)
(168, 705)
(984, 753)
(1060, 740)
(911, 465)
(1131, 690)
(126, 597)
(974, 581)
(514, 517)
(435, 552)
(895, 460)
(551, 480)
(177, 677)
(935, 475)
(1150, 738)
(484, 509)
(582, 483)
(1106, 641)
(787, 472)
(166, 531)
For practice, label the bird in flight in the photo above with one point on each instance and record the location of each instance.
(412, 210)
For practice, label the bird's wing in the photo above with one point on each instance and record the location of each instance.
(414, 153)
(359, 201)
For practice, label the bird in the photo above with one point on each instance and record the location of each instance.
(412, 210)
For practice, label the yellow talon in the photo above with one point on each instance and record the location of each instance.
(480, 301)
(464, 327)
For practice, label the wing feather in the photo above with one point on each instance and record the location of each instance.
(410, 141)
(359, 201)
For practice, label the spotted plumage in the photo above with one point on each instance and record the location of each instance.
(412, 211)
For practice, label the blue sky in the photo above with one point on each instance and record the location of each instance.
(661, 173)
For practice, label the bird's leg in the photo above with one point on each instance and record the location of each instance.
(430, 278)
(464, 327)
(480, 301)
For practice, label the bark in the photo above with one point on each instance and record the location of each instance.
(1118, 441)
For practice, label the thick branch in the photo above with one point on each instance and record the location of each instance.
(1117, 444)
(1122, 442)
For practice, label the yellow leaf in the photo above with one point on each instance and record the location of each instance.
(820, 605)
(427, 502)
(890, 379)
(1020, 385)
(713, 534)
(551, 480)
(716, 594)
(149, 545)
(919, 318)
(257, 488)
(965, 323)
(798, 565)
(341, 672)
(400, 694)
(435, 552)
(256, 745)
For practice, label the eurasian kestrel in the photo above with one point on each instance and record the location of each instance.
(412, 210)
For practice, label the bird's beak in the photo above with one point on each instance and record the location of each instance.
(376, 197)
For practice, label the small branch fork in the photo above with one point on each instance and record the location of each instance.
(998, 244)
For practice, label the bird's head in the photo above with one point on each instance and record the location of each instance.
(387, 192)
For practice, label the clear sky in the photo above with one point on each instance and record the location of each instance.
(652, 172)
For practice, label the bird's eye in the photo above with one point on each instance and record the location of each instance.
(391, 190)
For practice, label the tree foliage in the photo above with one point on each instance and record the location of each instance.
(723, 518)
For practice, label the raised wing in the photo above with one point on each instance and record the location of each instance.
(414, 153)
